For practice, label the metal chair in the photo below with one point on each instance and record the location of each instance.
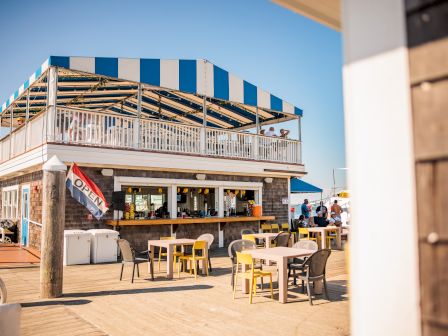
(314, 270)
(128, 257)
(238, 246)
(247, 231)
(281, 240)
(296, 264)
(209, 238)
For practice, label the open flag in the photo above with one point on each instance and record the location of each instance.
(86, 192)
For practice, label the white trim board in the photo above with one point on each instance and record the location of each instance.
(142, 181)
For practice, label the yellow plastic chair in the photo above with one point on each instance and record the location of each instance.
(275, 228)
(252, 238)
(252, 274)
(304, 233)
(199, 245)
(266, 228)
(285, 227)
(329, 236)
(164, 254)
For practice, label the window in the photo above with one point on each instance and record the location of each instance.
(10, 201)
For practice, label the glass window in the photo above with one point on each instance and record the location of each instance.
(238, 202)
(196, 202)
(145, 202)
(10, 198)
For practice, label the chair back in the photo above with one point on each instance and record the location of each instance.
(127, 254)
(208, 237)
(317, 262)
(240, 245)
(244, 259)
(331, 232)
(304, 232)
(250, 237)
(285, 227)
(275, 227)
(166, 238)
(199, 245)
(282, 239)
(266, 227)
(247, 231)
(306, 245)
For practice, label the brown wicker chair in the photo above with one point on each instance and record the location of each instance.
(128, 257)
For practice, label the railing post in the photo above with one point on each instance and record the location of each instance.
(10, 131)
(27, 117)
(204, 127)
(256, 146)
(136, 138)
(299, 147)
(52, 81)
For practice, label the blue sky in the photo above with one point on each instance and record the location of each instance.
(285, 53)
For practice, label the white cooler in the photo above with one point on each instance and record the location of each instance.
(104, 245)
(76, 247)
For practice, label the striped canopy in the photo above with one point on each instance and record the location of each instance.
(172, 90)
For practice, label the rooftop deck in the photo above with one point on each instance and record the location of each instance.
(86, 128)
(97, 303)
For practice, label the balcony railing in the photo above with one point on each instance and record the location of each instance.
(75, 126)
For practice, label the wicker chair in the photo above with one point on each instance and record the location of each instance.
(209, 238)
(128, 257)
(281, 240)
(247, 231)
(296, 264)
(314, 270)
(238, 246)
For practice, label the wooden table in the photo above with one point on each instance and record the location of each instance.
(323, 230)
(169, 244)
(280, 255)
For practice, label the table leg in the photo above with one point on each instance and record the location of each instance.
(151, 261)
(205, 262)
(245, 282)
(267, 243)
(282, 280)
(169, 261)
(338, 239)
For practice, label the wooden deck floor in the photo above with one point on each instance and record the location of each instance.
(95, 302)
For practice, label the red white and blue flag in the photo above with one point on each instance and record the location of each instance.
(86, 192)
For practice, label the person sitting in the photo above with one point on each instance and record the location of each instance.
(284, 133)
(262, 131)
(319, 220)
(271, 132)
(299, 223)
(334, 220)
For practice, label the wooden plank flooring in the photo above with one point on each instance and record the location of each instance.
(95, 302)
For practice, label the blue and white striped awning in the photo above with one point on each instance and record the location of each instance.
(172, 90)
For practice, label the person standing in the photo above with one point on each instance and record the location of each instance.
(305, 210)
(323, 209)
(336, 208)
(270, 132)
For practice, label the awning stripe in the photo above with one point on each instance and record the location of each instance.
(198, 77)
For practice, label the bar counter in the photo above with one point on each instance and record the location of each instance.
(182, 221)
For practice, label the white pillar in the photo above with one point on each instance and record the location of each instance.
(137, 120)
(172, 201)
(220, 197)
(203, 135)
(52, 88)
(383, 253)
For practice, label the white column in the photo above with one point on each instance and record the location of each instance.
(381, 169)
(220, 198)
(203, 135)
(27, 117)
(137, 120)
(52, 92)
(172, 201)
(11, 120)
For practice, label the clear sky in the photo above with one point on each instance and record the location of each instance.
(272, 47)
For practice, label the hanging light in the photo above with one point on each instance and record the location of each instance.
(160, 190)
(206, 191)
(185, 190)
(178, 190)
(129, 190)
(200, 191)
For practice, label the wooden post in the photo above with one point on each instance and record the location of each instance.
(53, 220)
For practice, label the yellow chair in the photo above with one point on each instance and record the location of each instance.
(250, 237)
(199, 245)
(329, 236)
(164, 254)
(275, 228)
(266, 228)
(285, 227)
(305, 234)
(252, 274)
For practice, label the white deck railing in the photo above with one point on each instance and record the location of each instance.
(75, 126)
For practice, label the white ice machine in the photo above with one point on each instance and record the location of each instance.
(76, 247)
(104, 246)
